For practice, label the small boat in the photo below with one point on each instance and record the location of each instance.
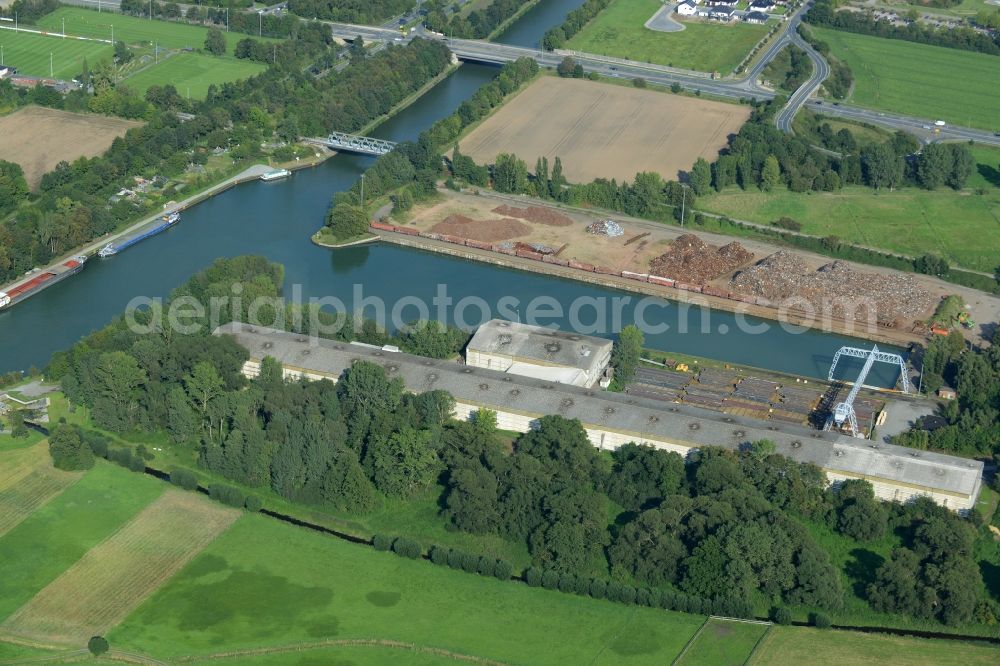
(108, 250)
(275, 175)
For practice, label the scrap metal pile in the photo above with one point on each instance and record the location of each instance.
(833, 286)
(689, 259)
(608, 228)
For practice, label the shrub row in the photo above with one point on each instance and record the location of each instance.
(643, 596)
(232, 496)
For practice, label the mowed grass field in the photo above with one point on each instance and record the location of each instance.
(132, 29)
(30, 53)
(27, 481)
(43, 545)
(802, 645)
(115, 576)
(964, 227)
(620, 31)
(260, 584)
(933, 82)
(193, 73)
(723, 643)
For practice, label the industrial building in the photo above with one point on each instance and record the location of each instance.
(539, 352)
(614, 419)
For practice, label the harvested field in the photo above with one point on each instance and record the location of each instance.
(605, 131)
(56, 136)
(691, 260)
(536, 214)
(114, 577)
(488, 231)
(783, 275)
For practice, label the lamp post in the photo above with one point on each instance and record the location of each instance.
(684, 197)
(260, 24)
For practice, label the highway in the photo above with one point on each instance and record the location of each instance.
(744, 88)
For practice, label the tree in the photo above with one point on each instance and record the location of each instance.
(182, 422)
(118, 382)
(404, 462)
(123, 54)
(701, 176)
(934, 165)
(68, 450)
(642, 476)
(97, 645)
(770, 176)
(962, 164)
(347, 221)
(859, 515)
(215, 42)
(566, 67)
(510, 174)
(626, 353)
(883, 167)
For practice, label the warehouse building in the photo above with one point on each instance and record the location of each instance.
(614, 419)
(539, 352)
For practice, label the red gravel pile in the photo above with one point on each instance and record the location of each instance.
(689, 259)
(536, 214)
(487, 231)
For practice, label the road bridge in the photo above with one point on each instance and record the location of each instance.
(354, 143)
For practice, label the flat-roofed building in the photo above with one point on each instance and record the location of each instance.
(539, 352)
(613, 419)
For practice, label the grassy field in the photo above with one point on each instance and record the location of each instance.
(30, 492)
(340, 654)
(258, 585)
(964, 227)
(30, 53)
(706, 46)
(132, 29)
(116, 575)
(925, 81)
(800, 645)
(55, 536)
(192, 73)
(723, 643)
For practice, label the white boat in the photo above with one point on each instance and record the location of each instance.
(108, 250)
(275, 175)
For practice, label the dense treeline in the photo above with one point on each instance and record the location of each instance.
(13, 187)
(268, 25)
(479, 24)
(412, 168)
(556, 38)
(73, 203)
(824, 13)
(350, 11)
(973, 420)
(29, 11)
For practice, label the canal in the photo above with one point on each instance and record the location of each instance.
(277, 219)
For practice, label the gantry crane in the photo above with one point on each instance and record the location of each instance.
(844, 411)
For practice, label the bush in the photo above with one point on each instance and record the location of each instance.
(485, 566)
(455, 559)
(98, 645)
(502, 570)
(550, 579)
(788, 223)
(582, 586)
(68, 450)
(382, 542)
(470, 563)
(533, 577)
(782, 616)
(183, 479)
(644, 597)
(567, 583)
(406, 548)
(97, 442)
(253, 504)
(821, 620)
(439, 555)
(627, 594)
(598, 588)
(614, 591)
(227, 495)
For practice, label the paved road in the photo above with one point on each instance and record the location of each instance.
(821, 70)
(494, 53)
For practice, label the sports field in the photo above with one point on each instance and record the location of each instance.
(132, 29)
(930, 82)
(964, 226)
(30, 53)
(706, 46)
(192, 73)
(723, 643)
(801, 645)
(259, 585)
(605, 131)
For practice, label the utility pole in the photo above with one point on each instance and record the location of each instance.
(64, 28)
(260, 24)
(156, 52)
(150, 10)
(51, 71)
(227, 19)
(684, 198)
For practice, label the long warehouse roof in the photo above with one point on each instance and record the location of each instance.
(642, 418)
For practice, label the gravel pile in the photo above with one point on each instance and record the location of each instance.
(783, 275)
(487, 231)
(690, 259)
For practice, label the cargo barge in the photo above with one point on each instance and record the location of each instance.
(111, 249)
(40, 281)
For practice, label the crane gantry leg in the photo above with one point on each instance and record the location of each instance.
(844, 411)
